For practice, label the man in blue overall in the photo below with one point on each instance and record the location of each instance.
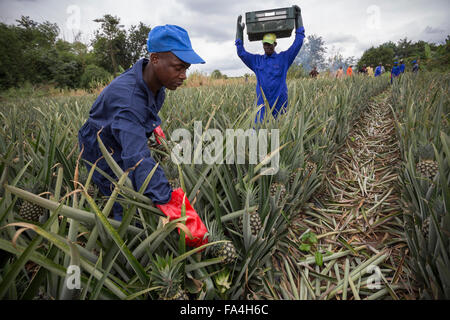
(415, 67)
(395, 72)
(402, 67)
(126, 112)
(271, 67)
(379, 70)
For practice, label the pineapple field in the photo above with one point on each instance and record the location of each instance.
(357, 210)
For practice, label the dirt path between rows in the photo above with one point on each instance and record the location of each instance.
(357, 220)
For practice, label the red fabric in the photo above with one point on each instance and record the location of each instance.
(159, 133)
(172, 209)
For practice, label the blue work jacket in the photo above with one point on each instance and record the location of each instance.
(378, 71)
(402, 68)
(127, 110)
(395, 71)
(271, 73)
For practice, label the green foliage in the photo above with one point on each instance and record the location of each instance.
(312, 53)
(93, 76)
(373, 56)
(296, 71)
(27, 52)
(421, 105)
(119, 260)
(114, 47)
(432, 57)
(216, 74)
(30, 51)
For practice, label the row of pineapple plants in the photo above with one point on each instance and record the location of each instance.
(51, 217)
(422, 107)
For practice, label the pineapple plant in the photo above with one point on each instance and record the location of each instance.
(309, 168)
(279, 184)
(174, 183)
(223, 282)
(167, 275)
(91, 191)
(254, 218)
(225, 250)
(426, 227)
(426, 166)
(293, 175)
(159, 152)
(171, 172)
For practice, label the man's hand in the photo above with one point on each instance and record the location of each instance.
(298, 14)
(159, 133)
(240, 29)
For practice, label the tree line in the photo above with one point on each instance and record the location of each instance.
(432, 57)
(31, 52)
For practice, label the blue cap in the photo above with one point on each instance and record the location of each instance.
(174, 39)
(414, 61)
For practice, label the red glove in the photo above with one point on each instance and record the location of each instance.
(172, 209)
(159, 133)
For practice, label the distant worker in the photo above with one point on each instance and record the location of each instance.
(415, 67)
(395, 72)
(349, 71)
(402, 67)
(314, 73)
(271, 67)
(370, 71)
(363, 69)
(379, 70)
(340, 73)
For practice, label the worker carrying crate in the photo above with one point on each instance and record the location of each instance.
(271, 67)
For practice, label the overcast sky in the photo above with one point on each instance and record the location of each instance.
(348, 26)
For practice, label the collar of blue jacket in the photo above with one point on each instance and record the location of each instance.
(272, 56)
(138, 69)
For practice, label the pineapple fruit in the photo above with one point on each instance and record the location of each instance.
(426, 166)
(225, 250)
(31, 211)
(279, 184)
(167, 275)
(174, 183)
(426, 227)
(274, 187)
(309, 168)
(255, 222)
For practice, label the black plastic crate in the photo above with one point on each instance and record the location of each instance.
(279, 21)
